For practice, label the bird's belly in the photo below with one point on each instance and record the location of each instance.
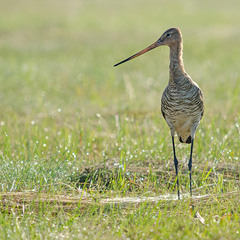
(181, 123)
(183, 126)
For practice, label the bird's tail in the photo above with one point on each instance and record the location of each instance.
(188, 140)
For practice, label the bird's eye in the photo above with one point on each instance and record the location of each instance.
(168, 35)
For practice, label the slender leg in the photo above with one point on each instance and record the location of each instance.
(176, 166)
(190, 167)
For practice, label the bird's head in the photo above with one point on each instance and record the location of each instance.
(169, 38)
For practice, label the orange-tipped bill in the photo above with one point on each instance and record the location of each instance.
(154, 45)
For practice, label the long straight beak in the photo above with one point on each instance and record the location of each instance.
(152, 46)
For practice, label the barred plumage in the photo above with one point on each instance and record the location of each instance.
(182, 100)
(182, 107)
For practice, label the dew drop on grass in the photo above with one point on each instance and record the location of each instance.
(121, 166)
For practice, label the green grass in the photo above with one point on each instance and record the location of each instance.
(79, 138)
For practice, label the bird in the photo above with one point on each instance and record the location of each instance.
(182, 103)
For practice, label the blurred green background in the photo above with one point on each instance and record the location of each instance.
(64, 109)
(60, 54)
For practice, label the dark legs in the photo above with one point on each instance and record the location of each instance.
(176, 166)
(190, 167)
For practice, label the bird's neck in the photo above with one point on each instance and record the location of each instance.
(176, 67)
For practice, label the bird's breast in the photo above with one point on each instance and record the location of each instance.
(182, 105)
